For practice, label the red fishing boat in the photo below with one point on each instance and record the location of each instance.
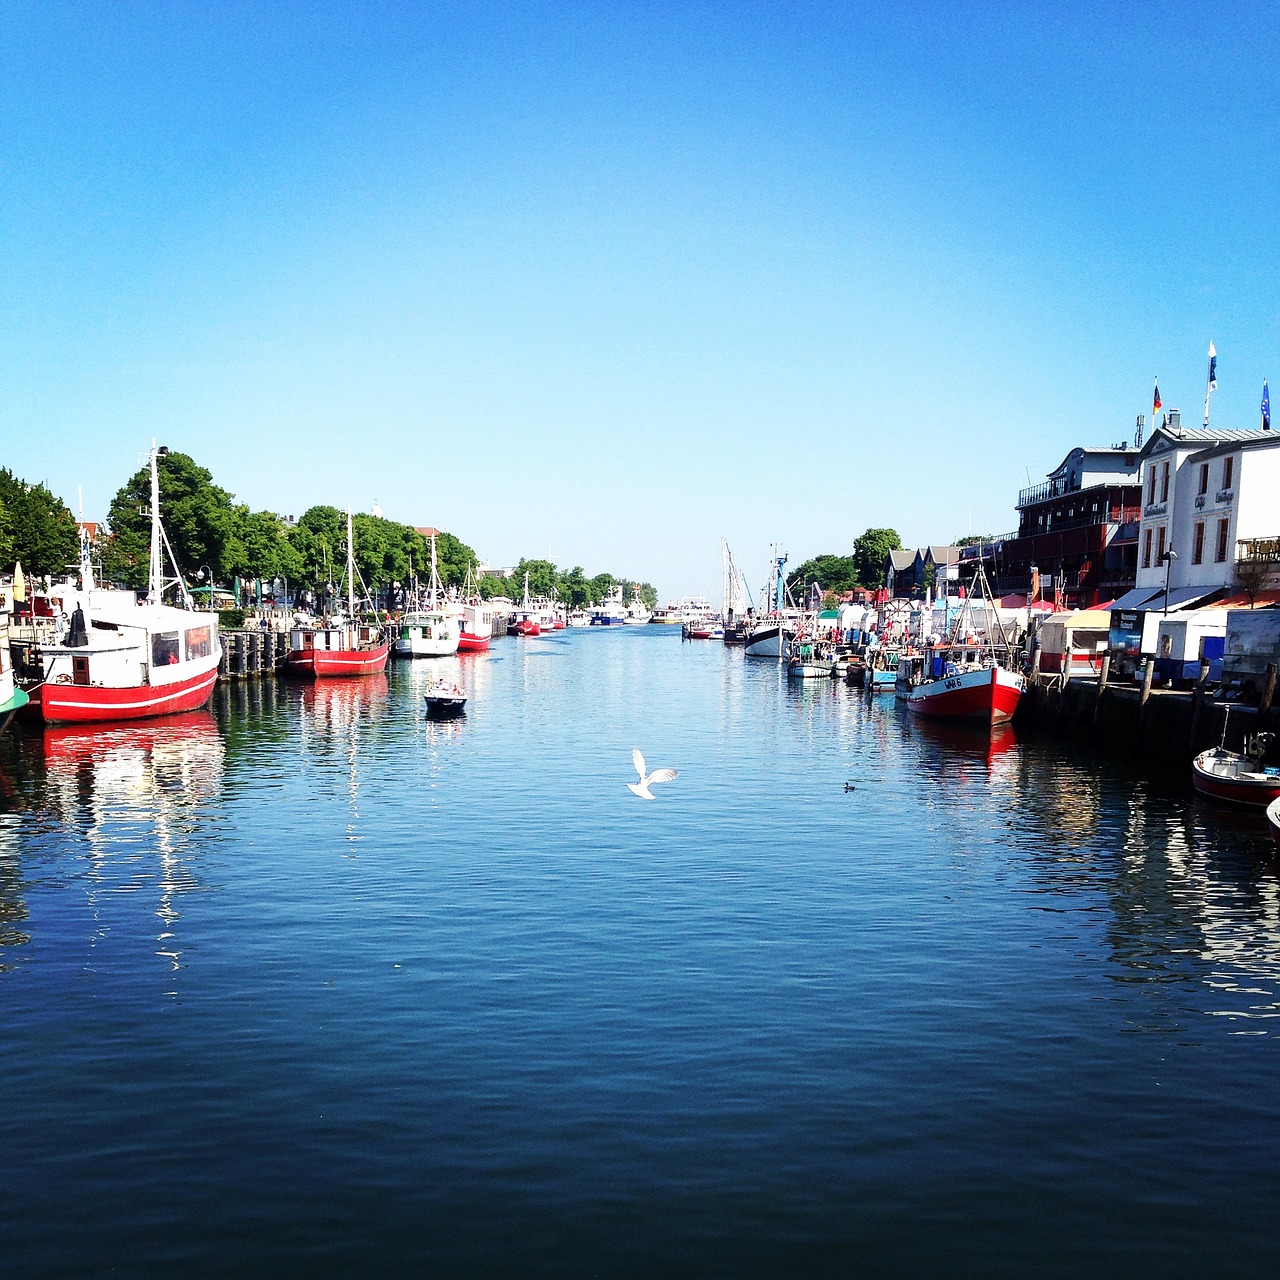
(345, 648)
(971, 678)
(468, 643)
(110, 658)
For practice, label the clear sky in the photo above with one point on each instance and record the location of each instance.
(613, 280)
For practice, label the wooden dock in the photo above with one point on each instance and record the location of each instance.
(253, 655)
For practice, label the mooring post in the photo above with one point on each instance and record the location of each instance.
(1103, 672)
(1197, 701)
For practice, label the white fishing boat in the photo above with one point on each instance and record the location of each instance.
(431, 632)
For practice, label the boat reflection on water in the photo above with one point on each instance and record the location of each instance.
(135, 789)
(965, 741)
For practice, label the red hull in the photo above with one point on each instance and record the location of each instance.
(528, 629)
(89, 704)
(323, 663)
(473, 644)
(1258, 790)
(987, 701)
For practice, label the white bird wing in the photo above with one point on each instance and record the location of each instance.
(663, 775)
(638, 760)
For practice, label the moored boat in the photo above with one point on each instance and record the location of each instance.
(1273, 821)
(339, 647)
(1236, 777)
(118, 659)
(970, 677)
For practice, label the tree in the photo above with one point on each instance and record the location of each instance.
(1253, 574)
(36, 528)
(574, 589)
(870, 552)
(831, 572)
(198, 516)
(542, 577)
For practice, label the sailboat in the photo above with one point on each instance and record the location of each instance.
(432, 632)
(737, 601)
(340, 646)
(116, 659)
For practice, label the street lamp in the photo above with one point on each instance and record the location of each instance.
(1169, 557)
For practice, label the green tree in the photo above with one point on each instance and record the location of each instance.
(831, 572)
(869, 553)
(198, 516)
(542, 577)
(491, 585)
(601, 587)
(36, 528)
(574, 589)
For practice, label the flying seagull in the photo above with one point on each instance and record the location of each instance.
(641, 788)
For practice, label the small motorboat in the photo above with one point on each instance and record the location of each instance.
(444, 701)
(1273, 821)
(1237, 777)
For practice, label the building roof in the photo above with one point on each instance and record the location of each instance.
(426, 530)
(1206, 437)
(942, 555)
(1257, 440)
(902, 559)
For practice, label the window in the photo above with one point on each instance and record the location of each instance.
(1146, 550)
(1197, 550)
(1204, 478)
(199, 642)
(1160, 536)
(1228, 470)
(1164, 482)
(164, 649)
(1223, 527)
(1151, 484)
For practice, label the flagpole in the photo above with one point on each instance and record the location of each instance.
(1211, 381)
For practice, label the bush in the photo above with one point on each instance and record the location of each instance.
(230, 619)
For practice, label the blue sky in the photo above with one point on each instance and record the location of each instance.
(616, 280)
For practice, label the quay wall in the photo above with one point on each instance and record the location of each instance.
(1171, 724)
(252, 655)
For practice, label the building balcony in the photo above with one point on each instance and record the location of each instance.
(1042, 492)
(1258, 550)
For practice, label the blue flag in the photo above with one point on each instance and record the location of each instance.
(1213, 368)
(1266, 407)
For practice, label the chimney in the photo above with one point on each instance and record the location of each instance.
(1175, 419)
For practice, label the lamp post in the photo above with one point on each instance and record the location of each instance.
(1169, 557)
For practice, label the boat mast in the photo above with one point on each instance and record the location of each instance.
(155, 586)
(351, 573)
(435, 577)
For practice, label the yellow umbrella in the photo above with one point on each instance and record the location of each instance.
(19, 582)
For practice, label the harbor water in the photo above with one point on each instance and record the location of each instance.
(308, 984)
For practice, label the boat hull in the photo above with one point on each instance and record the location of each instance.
(445, 708)
(92, 704)
(988, 696)
(764, 642)
(325, 663)
(1217, 774)
(473, 644)
(1273, 821)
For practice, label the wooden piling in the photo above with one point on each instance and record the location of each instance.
(1197, 700)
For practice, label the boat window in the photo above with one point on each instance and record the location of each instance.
(199, 642)
(164, 649)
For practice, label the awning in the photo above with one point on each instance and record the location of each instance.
(1135, 599)
(1181, 598)
(1241, 601)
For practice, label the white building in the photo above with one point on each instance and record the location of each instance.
(1205, 491)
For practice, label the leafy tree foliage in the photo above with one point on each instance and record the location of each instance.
(36, 528)
(869, 552)
(198, 517)
(831, 572)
